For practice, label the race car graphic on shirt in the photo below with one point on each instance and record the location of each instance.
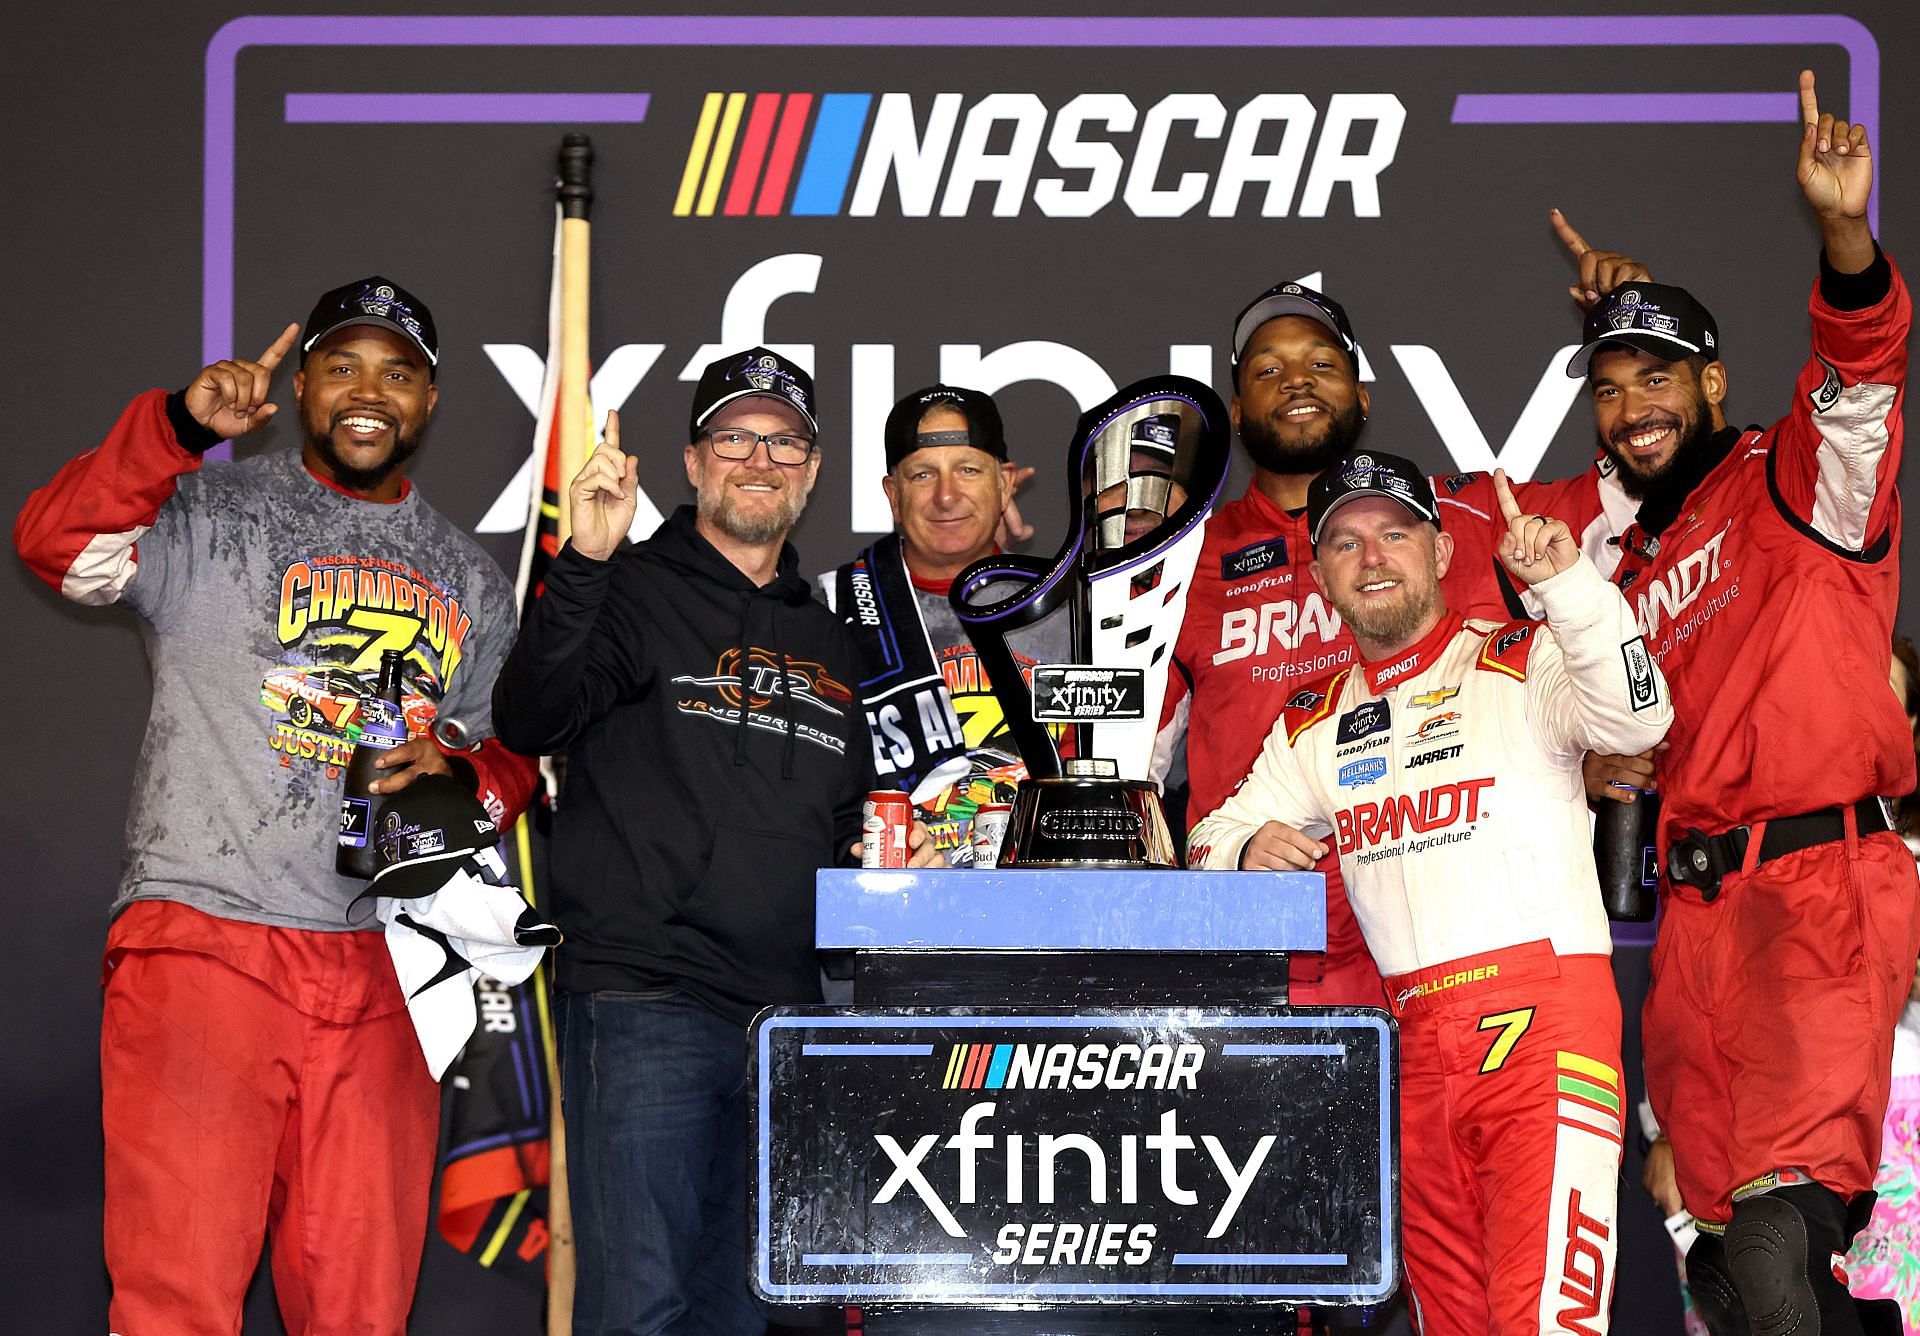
(340, 700)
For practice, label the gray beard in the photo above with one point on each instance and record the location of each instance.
(722, 513)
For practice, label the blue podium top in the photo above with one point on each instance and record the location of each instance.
(1093, 909)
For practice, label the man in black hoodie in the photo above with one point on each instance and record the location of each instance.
(717, 757)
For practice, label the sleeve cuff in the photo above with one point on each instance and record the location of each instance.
(190, 434)
(1856, 292)
(1572, 593)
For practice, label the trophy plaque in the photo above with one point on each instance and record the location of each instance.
(1148, 465)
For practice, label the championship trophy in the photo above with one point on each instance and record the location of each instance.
(1147, 466)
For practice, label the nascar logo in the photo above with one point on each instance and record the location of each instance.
(795, 154)
(1072, 1066)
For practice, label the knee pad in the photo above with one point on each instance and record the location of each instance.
(1711, 1285)
(1781, 1248)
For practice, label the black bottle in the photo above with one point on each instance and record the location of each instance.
(382, 727)
(1624, 855)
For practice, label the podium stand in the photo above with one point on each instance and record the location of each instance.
(1072, 1101)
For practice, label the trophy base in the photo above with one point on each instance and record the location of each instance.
(1082, 821)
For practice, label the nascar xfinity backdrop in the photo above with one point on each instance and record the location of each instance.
(1044, 206)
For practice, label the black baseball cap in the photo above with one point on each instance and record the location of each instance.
(374, 301)
(755, 371)
(424, 833)
(1657, 317)
(984, 432)
(1293, 299)
(1369, 473)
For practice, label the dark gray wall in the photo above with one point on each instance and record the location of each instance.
(104, 160)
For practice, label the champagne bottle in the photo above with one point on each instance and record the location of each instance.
(1624, 835)
(383, 726)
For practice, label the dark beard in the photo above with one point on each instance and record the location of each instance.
(1640, 483)
(363, 480)
(1269, 452)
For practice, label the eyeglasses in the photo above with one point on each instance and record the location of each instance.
(781, 448)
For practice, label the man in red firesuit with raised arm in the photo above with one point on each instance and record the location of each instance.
(1763, 566)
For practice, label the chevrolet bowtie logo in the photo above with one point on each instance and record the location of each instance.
(1440, 696)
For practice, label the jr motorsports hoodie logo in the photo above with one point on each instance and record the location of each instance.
(756, 687)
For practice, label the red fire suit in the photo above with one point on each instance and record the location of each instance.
(1448, 780)
(1769, 603)
(1257, 629)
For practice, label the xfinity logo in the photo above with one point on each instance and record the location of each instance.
(1161, 1149)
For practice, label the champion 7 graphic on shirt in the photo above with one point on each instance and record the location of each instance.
(336, 614)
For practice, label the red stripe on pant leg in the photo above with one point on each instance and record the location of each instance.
(786, 147)
(753, 152)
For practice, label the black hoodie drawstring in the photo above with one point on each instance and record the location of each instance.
(786, 713)
(742, 667)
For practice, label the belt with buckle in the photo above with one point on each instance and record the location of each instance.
(1700, 860)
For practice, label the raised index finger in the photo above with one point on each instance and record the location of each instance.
(280, 347)
(1503, 493)
(1809, 104)
(1571, 239)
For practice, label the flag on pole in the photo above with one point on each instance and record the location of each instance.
(500, 1202)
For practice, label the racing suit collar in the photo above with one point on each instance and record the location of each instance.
(1384, 674)
(1667, 498)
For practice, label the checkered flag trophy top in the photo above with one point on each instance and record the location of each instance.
(1150, 464)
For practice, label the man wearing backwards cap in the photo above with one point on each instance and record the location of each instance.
(936, 725)
(238, 1005)
(1764, 568)
(1444, 770)
(717, 756)
(1256, 630)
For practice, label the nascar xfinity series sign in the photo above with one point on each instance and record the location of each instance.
(1169, 1156)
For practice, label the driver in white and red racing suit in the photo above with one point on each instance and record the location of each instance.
(1445, 767)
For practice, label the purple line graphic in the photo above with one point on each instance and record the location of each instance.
(465, 108)
(1861, 104)
(1624, 108)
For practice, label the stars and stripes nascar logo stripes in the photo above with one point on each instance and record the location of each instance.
(977, 1067)
(769, 154)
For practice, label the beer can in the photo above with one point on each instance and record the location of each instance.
(885, 820)
(989, 830)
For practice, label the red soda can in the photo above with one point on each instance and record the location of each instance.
(885, 820)
(989, 831)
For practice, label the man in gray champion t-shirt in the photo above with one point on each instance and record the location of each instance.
(259, 1071)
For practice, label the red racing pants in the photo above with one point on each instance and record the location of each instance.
(1510, 1136)
(231, 1114)
(1769, 1025)
(1345, 976)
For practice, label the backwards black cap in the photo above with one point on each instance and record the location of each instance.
(1368, 473)
(984, 432)
(1664, 320)
(374, 301)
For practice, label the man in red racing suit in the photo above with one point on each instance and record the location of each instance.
(1256, 628)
